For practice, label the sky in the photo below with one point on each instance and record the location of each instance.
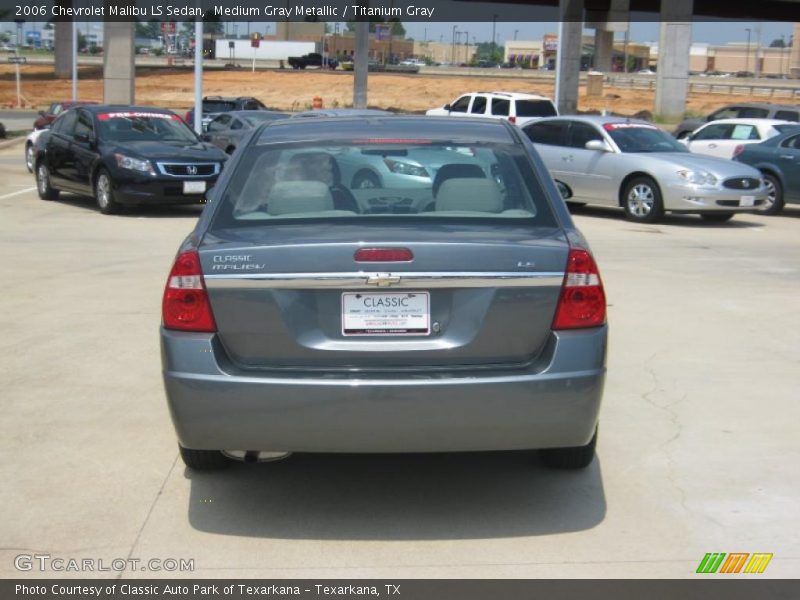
(718, 33)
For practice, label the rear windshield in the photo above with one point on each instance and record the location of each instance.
(535, 108)
(783, 128)
(383, 179)
(218, 106)
(633, 137)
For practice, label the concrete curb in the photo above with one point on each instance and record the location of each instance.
(12, 142)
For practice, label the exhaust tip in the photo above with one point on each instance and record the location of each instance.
(253, 456)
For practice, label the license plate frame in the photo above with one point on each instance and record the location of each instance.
(359, 320)
(747, 201)
(194, 187)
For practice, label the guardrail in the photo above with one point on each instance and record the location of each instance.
(714, 86)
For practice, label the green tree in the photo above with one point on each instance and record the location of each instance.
(151, 29)
(777, 43)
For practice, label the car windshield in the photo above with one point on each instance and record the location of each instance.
(535, 108)
(137, 126)
(213, 106)
(259, 116)
(783, 128)
(395, 179)
(637, 138)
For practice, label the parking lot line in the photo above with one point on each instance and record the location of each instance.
(18, 192)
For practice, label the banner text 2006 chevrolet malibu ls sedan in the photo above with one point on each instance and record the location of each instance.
(305, 316)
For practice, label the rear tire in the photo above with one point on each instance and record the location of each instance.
(29, 157)
(46, 191)
(642, 201)
(104, 194)
(204, 460)
(578, 457)
(720, 217)
(775, 201)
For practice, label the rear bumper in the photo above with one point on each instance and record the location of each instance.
(552, 403)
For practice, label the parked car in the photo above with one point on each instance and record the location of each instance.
(305, 316)
(227, 130)
(30, 147)
(215, 105)
(56, 108)
(721, 138)
(778, 159)
(744, 110)
(314, 59)
(125, 156)
(614, 161)
(645, 72)
(513, 107)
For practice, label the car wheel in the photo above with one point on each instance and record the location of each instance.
(641, 200)
(29, 157)
(46, 191)
(718, 217)
(230, 149)
(204, 460)
(774, 203)
(365, 180)
(578, 457)
(104, 194)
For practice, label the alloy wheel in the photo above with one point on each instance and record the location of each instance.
(641, 200)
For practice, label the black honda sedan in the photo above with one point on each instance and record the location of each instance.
(125, 156)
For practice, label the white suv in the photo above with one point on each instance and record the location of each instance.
(517, 108)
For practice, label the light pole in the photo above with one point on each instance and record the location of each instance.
(494, 27)
(516, 31)
(453, 52)
(780, 56)
(747, 54)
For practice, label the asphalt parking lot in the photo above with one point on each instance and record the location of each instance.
(698, 447)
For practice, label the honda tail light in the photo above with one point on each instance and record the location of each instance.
(582, 302)
(186, 305)
(738, 150)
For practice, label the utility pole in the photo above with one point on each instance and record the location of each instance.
(747, 54)
(75, 60)
(198, 76)
(757, 66)
(453, 46)
(494, 34)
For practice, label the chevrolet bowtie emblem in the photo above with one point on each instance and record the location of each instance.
(383, 279)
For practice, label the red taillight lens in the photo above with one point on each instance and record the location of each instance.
(186, 306)
(512, 120)
(188, 118)
(383, 255)
(738, 150)
(582, 302)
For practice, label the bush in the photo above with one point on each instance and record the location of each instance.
(2, 131)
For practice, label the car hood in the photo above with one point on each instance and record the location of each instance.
(157, 150)
(721, 167)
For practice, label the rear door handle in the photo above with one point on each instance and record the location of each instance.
(567, 158)
(712, 145)
(787, 156)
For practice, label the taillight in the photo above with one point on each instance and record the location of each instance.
(186, 305)
(512, 120)
(188, 118)
(738, 150)
(383, 255)
(582, 302)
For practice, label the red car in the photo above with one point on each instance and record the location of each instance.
(56, 108)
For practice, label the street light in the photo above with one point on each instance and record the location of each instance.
(747, 55)
(494, 26)
(516, 31)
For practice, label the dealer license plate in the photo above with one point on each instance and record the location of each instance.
(386, 313)
(194, 187)
(747, 201)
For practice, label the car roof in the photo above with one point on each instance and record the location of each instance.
(746, 121)
(380, 127)
(343, 112)
(767, 105)
(594, 119)
(247, 113)
(228, 98)
(512, 95)
(98, 108)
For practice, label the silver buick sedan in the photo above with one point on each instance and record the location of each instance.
(634, 165)
(307, 315)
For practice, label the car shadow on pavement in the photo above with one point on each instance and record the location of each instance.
(396, 497)
(669, 219)
(88, 203)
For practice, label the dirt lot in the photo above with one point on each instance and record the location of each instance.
(295, 90)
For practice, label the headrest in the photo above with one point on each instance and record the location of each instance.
(290, 197)
(456, 170)
(469, 194)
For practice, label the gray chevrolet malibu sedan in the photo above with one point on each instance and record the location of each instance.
(305, 316)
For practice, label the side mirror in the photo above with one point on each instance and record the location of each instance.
(565, 192)
(446, 107)
(41, 113)
(597, 146)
